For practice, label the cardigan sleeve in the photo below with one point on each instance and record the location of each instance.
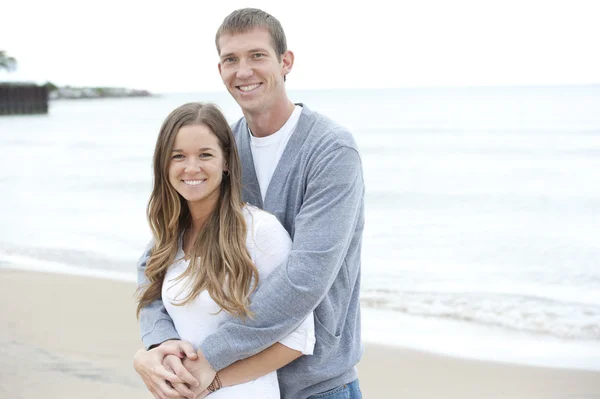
(324, 228)
(270, 247)
(156, 325)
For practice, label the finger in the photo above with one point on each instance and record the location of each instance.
(167, 392)
(169, 362)
(174, 365)
(152, 391)
(156, 394)
(160, 373)
(184, 390)
(188, 350)
(170, 347)
(184, 374)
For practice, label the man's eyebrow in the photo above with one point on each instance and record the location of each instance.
(258, 50)
(254, 50)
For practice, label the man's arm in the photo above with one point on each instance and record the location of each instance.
(271, 359)
(324, 228)
(156, 326)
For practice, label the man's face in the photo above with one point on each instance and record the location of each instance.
(252, 71)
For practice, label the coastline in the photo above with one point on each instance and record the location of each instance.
(67, 336)
(76, 93)
(439, 336)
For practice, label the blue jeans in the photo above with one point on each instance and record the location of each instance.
(346, 391)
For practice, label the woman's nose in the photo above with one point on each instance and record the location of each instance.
(192, 165)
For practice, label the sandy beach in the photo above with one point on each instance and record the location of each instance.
(72, 337)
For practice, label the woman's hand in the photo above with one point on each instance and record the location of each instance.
(201, 371)
(158, 379)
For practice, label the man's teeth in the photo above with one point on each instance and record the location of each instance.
(193, 182)
(249, 87)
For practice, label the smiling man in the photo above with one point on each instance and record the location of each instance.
(306, 170)
(251, 70)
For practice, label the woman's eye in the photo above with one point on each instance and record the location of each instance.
(205, 155)
(177, 156)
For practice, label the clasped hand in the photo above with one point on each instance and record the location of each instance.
(173, 370)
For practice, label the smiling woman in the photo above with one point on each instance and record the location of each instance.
(194, 205)
(197, 167)
(208, 251)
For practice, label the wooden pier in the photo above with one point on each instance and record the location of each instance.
(23, 99)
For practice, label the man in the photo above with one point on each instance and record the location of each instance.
(306, 170)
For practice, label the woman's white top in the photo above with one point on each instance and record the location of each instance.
(269, 246)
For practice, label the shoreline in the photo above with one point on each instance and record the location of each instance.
(68, 336)
(88, 92)
(438, 337)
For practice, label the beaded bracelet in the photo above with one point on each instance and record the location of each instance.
(215, 385)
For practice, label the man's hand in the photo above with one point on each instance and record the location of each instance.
(159, 380)
(201, 370)
(174, 364)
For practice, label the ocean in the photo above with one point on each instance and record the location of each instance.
(482, 208)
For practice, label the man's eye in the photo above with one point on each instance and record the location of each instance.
(229, 60)
(258, 55)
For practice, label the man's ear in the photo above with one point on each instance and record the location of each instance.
(219, 66)
(287, 61)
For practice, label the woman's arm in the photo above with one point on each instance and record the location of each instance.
(269, 249)
(271, 359)
(272, 246)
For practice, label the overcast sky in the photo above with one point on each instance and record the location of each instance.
(168, 46)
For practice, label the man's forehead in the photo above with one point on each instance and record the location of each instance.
(258, 37)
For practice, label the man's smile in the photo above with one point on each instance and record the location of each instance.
(248, 88)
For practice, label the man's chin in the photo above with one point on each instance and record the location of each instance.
(248, 106)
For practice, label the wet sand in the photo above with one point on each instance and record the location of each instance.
(72, 337)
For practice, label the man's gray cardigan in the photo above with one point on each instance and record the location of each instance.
(317, 193)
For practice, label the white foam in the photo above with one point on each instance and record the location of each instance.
(28, 263)
(447, 337)
(467, 340)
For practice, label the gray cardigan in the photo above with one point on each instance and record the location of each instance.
(317, 193)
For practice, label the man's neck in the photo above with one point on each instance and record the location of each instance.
(264, 124)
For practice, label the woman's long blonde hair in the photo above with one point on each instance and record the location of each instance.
(224, 267)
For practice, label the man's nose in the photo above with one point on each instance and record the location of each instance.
(244, 70)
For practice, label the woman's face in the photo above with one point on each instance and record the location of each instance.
(196, 165)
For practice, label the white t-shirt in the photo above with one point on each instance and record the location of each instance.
(269, 246)
(267, 151)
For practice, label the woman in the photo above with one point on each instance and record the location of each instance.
(210, 249)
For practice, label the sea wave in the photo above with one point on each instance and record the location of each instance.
(567, 320)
